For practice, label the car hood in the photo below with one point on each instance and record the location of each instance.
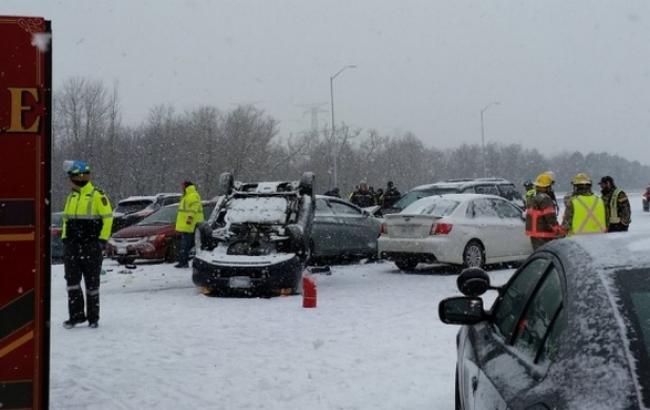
(136, 231)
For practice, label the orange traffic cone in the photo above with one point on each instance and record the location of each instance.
(308, 292)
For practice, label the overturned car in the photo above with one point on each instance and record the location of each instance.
(256, 241)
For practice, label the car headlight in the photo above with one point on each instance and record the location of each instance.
(154, 238)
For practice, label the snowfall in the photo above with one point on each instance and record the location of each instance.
(374, 342)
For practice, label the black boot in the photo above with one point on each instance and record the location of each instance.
(93, 325)
(70, 323)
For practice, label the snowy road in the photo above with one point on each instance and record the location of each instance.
(374, 342)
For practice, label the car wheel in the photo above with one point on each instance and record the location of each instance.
(474, 255)
(125, 261)
(406, 264)
(172, 252)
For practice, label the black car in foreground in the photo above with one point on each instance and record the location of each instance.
(570, 329)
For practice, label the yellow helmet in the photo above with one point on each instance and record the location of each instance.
(551, 174)
(543, 180)
(581, 179)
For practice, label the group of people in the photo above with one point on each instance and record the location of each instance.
(87, 224)
(365, 196)
(585, 212)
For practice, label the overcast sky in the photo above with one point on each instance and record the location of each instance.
(571, 75)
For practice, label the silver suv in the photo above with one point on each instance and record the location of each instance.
(490, 186)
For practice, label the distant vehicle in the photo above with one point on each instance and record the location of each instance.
(256, 242)
(153, 238)
(56, 244)
(569, 330)
(646, 199)
(489, 186)
(135, 208)
(342, 229)
(460, 229)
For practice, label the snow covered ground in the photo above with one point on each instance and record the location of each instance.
(373, 342)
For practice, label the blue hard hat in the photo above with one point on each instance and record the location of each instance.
(76, 167)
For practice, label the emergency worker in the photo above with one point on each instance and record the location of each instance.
(362, 197)
(190, 212)
(391, 195)
(87, 222)
(530, 190)
(541, 218)
(585, 212)
(617, 206)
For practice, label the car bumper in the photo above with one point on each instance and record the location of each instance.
(145, 250)
(241, 279)
(430, 249)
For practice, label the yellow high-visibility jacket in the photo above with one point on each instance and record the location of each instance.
(190, 210)
(87, 215)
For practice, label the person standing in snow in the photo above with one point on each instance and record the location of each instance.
(362, 197)
(541, 218)
(584, 212)
(391, 195)
(190, 212)
(617, 206)
(87, 223)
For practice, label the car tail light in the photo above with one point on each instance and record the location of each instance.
(441, 228)
(383, 230)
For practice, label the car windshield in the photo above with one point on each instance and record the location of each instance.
(436, 206)
(634, 292)
(413, 196)
(128, 207)
(258, 209)
(164, 216)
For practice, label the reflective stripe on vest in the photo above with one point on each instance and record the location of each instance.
(613, 207)
(534, 215)
(588, 215)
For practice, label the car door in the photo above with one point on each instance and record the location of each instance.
(325, 230)
(515, 241)
(490, 228)
(354, 227)
(517, 346)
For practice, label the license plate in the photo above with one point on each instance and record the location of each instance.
(239, 282)
(121, 251)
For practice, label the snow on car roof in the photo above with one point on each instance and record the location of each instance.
(137, 198)
(461, 183)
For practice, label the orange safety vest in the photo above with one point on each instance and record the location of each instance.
(532, 218)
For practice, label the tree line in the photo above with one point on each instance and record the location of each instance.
(169, 146)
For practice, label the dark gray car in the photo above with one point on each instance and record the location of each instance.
(342, 229)
(570, 330)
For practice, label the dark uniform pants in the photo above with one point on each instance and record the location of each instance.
(619, 227)
(187, 241)
(83, 260)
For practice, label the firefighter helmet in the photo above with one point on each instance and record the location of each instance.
(543, 180)
(581, 179)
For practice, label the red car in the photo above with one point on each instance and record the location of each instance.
(152, 238)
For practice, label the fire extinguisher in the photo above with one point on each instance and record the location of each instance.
(308, 292)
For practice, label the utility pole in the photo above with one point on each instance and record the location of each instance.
(335, 150)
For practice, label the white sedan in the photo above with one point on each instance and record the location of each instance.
(460, 229)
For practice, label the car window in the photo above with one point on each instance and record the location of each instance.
(506, 210)
(482, 208)
(343, 209)
(413, 196)
(322, 207)
(509, 306)
(436, 206)
(551, 345)
(509, 192)
(542, 308)
(486, 189)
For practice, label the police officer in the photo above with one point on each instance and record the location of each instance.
(362, 197)
(87, 222)
(391, 195)
(541, 217)
(617, 206)
(585, 212)
(190, 212)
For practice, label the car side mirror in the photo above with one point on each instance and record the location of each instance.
(473, 282)
(461, 310)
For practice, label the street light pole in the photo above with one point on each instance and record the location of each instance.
(483, 135)
(335, 152)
